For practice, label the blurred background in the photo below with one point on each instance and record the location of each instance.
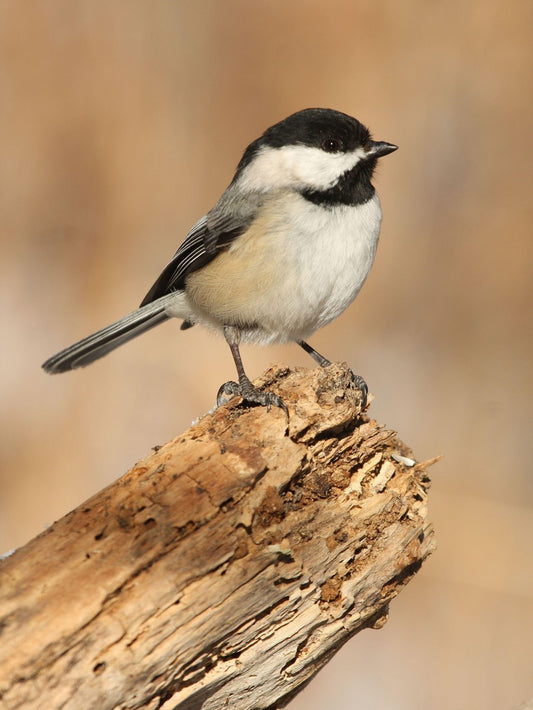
(120, 125)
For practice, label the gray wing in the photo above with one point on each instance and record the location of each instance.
(213, 233)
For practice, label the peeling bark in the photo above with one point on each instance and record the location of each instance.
(226, 568)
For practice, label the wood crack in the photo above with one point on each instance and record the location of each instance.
(224, 569)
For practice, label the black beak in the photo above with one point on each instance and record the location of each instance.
(380, 148)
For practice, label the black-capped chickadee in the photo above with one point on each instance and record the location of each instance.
(283, 252)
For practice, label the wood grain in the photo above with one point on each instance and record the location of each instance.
(223, 570)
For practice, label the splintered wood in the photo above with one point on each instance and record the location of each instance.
(225, 569)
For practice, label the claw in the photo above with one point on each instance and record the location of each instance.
(231, 388)
(272, 399)
(250, 394)
(361, 386)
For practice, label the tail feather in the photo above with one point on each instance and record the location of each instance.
(104, 341)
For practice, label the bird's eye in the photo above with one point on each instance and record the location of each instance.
(331, 145)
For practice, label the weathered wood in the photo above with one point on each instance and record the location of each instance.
(224, 569)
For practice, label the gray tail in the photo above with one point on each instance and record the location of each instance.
(104, 341)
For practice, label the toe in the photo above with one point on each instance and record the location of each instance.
(273, 399)
(361, 386)
(228, 388)
(250, 394)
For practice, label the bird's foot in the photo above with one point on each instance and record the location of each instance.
(361, 385)
(251, 394)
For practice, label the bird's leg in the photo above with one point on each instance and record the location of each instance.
(324, 362)
(244, 388)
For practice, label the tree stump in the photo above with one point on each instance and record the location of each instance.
(225, 569)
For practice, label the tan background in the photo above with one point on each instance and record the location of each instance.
(120, 124)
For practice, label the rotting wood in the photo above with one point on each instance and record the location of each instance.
(226, 568)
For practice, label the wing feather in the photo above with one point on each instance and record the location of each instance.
(213, 233)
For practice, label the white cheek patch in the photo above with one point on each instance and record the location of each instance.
(297, 167)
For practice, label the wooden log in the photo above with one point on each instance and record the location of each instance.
(225, 569)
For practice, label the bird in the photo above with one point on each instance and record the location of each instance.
(284, 251)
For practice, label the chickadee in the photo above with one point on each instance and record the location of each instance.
(283, 252)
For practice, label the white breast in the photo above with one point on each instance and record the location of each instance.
(324, 256)
(296, 268)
